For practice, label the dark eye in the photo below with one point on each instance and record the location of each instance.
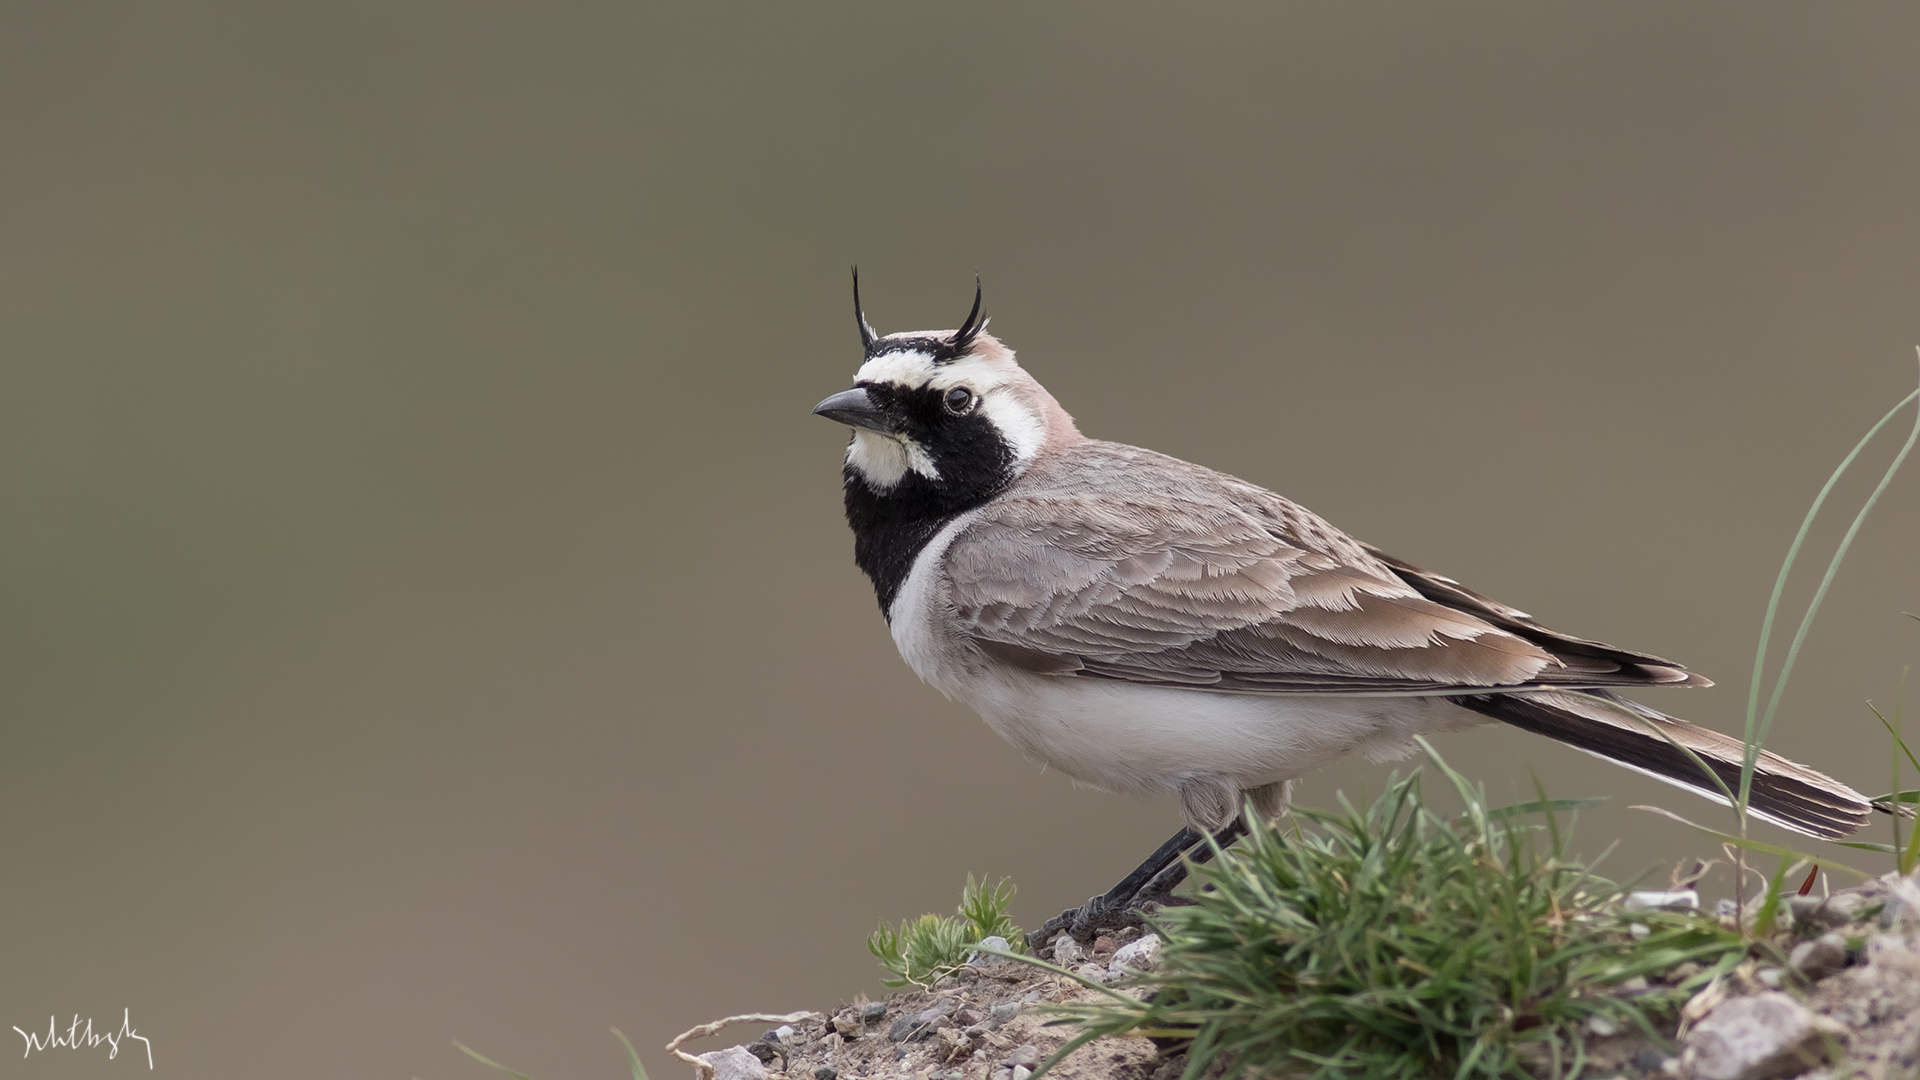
(959, 401)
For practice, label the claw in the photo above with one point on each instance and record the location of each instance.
(1152, 882)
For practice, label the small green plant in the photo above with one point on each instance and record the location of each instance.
(1397, 943)
(921, 950)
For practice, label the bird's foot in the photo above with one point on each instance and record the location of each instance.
(1149, 887)
(1086, 922)
(1101, 915)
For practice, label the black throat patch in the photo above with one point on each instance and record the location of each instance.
(892, 527)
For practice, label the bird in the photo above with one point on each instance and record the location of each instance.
(1147, 625)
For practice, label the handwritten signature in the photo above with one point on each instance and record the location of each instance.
(79, 1038)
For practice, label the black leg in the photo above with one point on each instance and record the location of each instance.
(1151, 881)
(1163, 883)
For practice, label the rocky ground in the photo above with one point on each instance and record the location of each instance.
(1845, 1006)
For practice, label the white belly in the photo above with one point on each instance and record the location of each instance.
(1130, 737)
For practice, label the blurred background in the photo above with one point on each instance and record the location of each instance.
(427, 610)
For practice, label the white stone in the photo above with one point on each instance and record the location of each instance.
(1066, 951)
(1820, 957)
(985, 961)
(1092, 972)
(734, 1063)
(1763, 1037)
(1136, 956)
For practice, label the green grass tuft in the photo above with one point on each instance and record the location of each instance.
(1397, 943)
(921, 950)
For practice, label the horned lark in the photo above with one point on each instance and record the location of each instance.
(1144, 624)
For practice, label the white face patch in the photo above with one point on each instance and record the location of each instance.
(884, 459)
(998, 383)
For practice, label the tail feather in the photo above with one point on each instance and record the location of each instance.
(1627, 733)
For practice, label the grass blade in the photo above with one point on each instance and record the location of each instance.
(1756, 845)
(1757, 726)
(633, 1058)
(487, 1061)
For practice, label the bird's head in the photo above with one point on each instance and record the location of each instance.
(948, 411)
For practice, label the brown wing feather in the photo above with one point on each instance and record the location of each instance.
(1116, 562)
(1578, 654)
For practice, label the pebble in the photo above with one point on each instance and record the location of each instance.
(734, 1063)
(872, 1011)
(1651, 1059)
(1840, 908)
(1092, 972)
(1602, 1026)
(1763, 1037)
(1815, 960)
(1805, 911)
(1066, 951)
(1002, 1013)
(825, 1072)
(1025, 1054)
(1020, 1072)
(1681, 973)
(847, 1025)
(1137, 956)
(969, 1016)
(982, 961)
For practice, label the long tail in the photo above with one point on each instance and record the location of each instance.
(1627, 733)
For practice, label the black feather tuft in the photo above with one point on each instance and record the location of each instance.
(941, 350)
(962, 339)
(866, 331)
